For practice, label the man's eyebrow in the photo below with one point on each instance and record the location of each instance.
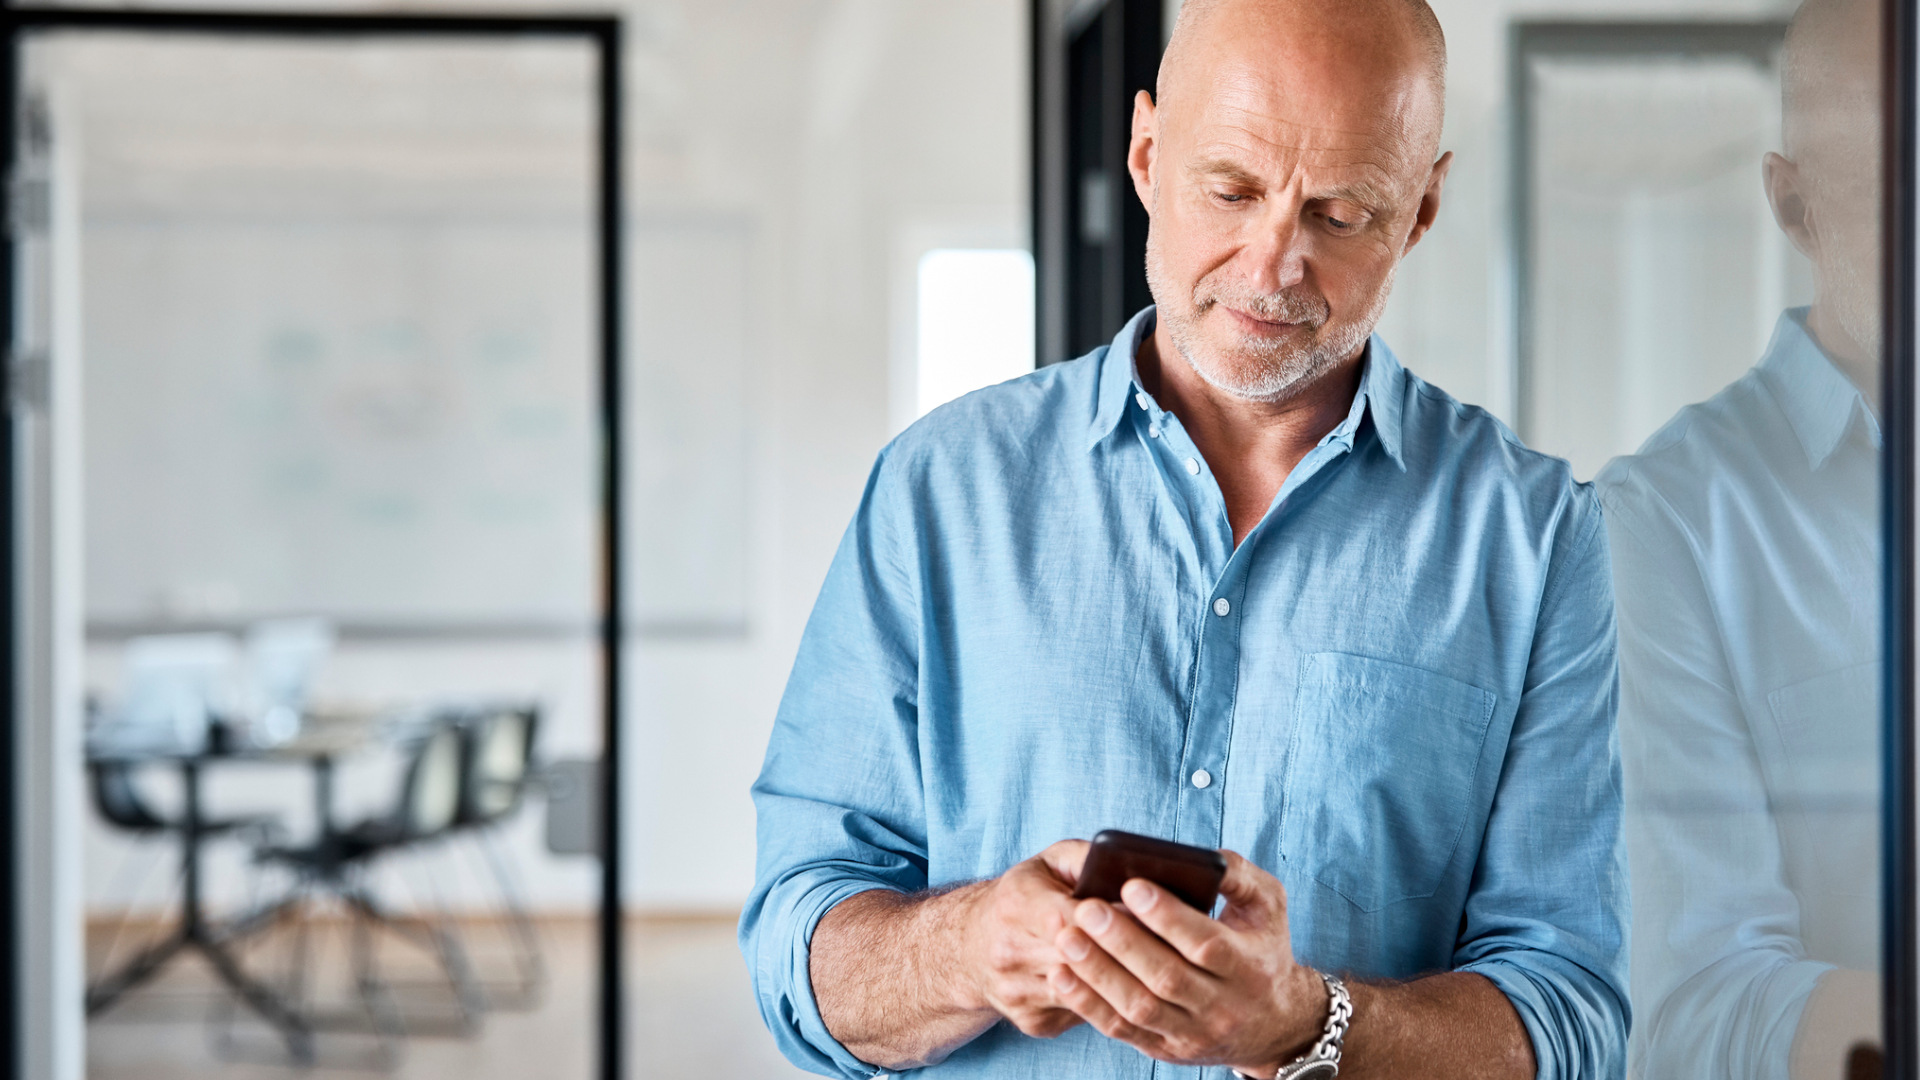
(1362, 192)
(1225, 169)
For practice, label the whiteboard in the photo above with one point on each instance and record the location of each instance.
(393, 422)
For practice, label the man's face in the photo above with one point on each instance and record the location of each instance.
(1281, 201)
(1843, 191)
(1825, 191)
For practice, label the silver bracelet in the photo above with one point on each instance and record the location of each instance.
(1322, 1059)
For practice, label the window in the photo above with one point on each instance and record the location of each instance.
(975, 322)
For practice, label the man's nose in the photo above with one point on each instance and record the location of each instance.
(1275, 257)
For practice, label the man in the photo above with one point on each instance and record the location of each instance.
(1746, 550)
(1238, 580)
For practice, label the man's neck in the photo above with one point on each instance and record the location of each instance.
(1251, 446)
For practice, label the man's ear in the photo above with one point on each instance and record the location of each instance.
(1786, 194)
(1429, 202)
(1144, 149)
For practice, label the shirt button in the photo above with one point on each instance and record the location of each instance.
(1193, 467)
(1141, 398)
(1153, 433)
(1202, 778)
(1221, 607)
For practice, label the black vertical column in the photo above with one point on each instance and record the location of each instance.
(612, 522)
(1900, 943)
(1108, 61)
(1090, 228)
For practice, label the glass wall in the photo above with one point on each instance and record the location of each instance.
(1704, 339)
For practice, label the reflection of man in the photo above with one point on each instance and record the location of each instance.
(1746, 550)
(1238, 580)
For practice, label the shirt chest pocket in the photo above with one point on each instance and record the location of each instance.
(1380, 775)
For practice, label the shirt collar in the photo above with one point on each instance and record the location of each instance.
(1118, 379)
(1382, 389)
(1818, 400)
(1383, 383)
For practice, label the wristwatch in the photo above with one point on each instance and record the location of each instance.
(1322, 1059)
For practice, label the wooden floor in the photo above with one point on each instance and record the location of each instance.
(690, 1014)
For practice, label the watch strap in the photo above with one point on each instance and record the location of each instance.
(1321, 1061)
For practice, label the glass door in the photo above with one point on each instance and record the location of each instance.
(312, 525)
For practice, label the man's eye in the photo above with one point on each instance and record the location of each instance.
(1337, 224)
(1229, 197)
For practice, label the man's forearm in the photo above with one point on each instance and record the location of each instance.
(888, 976)
(1453, 1025)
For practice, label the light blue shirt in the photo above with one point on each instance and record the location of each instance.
(1746, 546)
(1397, 695)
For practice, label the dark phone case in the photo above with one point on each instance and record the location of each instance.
(1191, 873)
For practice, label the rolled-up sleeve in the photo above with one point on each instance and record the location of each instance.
(839, 801)
(1546, 918)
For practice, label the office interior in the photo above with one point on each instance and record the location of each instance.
(309, 496)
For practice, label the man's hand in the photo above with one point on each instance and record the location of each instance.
(1184, 988)
(903, 981)
(1012, 936)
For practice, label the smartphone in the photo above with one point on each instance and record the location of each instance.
(1191, 873)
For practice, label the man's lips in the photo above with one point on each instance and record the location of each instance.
(1264, 327)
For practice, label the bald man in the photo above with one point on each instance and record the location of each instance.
(1746, 545)
(1237, 580)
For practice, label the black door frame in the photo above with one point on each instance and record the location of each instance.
(1900, 886)
(603, 33)
(1086, 60)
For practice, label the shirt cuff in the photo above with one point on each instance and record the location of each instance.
(807, 1034)
(1577, 1025)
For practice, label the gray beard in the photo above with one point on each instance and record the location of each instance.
(1264, 371)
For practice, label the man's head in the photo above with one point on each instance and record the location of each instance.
(1825, 186)
(1287, 166)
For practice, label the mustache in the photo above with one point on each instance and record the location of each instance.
(1287, 305)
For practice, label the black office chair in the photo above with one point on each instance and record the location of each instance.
(496, 769)
(119, 802)
(497, 751)
(337, 862)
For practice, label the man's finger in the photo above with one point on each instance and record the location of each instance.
(1074, 992)
(1117, 986)
(1203, 942)
(1049, 1023)
(1252, 889)
(1065, 859)
(1144, 960)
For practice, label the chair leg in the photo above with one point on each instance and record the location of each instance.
(447, 948)
(129, 879)
(382, 1013)
(111, 988)
(291, 981)
(292, 1026)
(529, 958)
